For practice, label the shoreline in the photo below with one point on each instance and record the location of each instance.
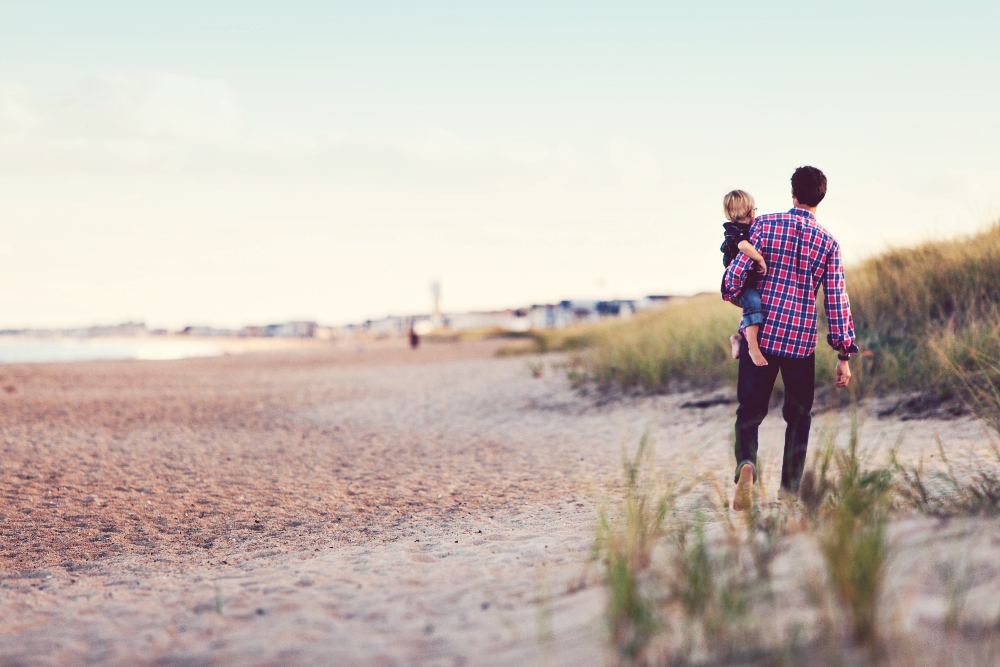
(21, 349)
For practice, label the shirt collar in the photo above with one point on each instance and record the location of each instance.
(802, 213)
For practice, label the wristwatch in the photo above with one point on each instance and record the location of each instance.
(843, 357)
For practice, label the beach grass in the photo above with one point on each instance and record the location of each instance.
(949, 490)
(624, 545)
(696, 587)
(929, 310)
(684, 343)
(852, 537)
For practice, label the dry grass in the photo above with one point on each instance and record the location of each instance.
(682, 344)
(904, 291)
(624, 545)
(975, 489)
(683, 589)
(852, 537)
(923, 309)
(971, 492)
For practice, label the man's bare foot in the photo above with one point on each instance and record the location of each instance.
(743, 498)
(757, 356)
(734, 340)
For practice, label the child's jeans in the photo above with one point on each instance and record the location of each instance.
(753, 311)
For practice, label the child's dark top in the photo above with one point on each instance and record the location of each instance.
(734, 233)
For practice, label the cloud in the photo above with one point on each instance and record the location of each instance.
(635, 164)
(150, 121)
(438, 144)
(153, 105)
(168, 124)
(16, 114)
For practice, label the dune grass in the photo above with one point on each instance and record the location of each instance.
(625, 542)
(683, 344)
(696, 587)
(924, 310)
(853, 541)
(919, 314)
(975, 489)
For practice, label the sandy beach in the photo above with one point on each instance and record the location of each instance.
(365, 505)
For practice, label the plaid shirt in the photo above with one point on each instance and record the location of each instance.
(801, 256)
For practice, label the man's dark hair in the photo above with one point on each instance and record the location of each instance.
(809, 185)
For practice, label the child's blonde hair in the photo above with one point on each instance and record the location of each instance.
(738, 205)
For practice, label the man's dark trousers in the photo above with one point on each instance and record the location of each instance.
(754, 394)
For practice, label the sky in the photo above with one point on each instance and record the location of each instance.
(226, 163)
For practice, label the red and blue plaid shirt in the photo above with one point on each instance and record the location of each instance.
(801, 256)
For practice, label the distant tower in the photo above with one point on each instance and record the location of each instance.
(437, 319)
(436, 294)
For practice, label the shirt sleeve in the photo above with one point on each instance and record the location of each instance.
(740, 268)
(838, 307)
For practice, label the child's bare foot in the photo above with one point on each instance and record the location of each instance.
(742, 499)
(757, 356)
(734, 340)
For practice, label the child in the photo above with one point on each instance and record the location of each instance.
(740, 209)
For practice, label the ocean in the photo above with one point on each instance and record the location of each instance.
(22, 350)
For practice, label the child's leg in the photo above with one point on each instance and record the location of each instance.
(734, 340)
(753, 318)
(755, 354)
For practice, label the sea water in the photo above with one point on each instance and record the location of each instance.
(20, 350)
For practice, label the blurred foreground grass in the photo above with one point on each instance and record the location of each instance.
(921, 313)
(830, 579)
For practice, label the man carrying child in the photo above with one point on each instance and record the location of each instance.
(801, 257)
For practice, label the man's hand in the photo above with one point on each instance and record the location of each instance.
(843, 373)
(762, 267)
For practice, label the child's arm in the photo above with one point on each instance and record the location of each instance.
(747, 249)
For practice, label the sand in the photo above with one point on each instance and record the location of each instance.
(333, 504)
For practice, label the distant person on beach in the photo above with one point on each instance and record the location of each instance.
(801, 257)
(414, 339)
(739, 209)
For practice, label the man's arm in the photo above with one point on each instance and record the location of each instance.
(838, 315)
(736, 275)
(740, 268)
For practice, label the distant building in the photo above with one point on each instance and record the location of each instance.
(651, 301)
(197, 331)
(124, 329)
(251, 331)
(494, 319)
(290, 330)
(562, 314)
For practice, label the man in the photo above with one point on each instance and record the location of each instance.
(801, 257)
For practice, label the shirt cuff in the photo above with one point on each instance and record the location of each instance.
(839, 345)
